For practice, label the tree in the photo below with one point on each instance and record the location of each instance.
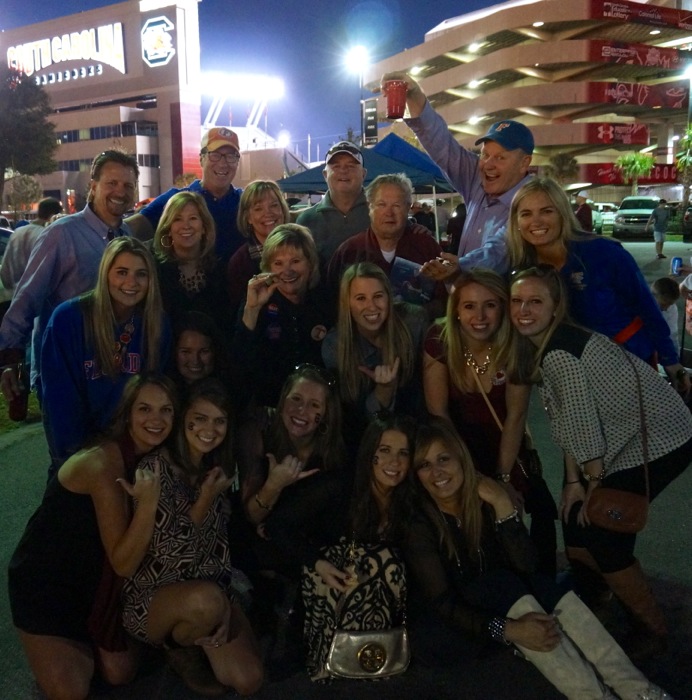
(562, 167)
(683, 163)
(25, 191)
(27, 138)
(633, 166)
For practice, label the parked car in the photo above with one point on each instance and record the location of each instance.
(632, 215)
(603, 214)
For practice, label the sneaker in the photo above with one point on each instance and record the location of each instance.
(660, 256)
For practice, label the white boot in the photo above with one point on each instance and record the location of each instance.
(564, 666)
(596, 644)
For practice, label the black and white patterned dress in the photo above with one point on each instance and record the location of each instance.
(178, 551)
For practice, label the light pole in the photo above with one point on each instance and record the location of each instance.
(357, 60)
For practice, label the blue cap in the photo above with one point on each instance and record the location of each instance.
(510, 135)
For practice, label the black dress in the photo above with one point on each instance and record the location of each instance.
(59, 566)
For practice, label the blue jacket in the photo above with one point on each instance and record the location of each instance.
(607, 291)
(77, 400)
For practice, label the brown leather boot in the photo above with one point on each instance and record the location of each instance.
(649, 635)
(590, 585)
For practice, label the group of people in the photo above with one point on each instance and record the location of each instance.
(226, 402)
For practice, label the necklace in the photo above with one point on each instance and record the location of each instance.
(124, 340)
(471, 361)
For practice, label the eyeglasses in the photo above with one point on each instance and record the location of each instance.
(215, 157)
(322, 372)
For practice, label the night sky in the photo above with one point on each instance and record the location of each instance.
(285, 38)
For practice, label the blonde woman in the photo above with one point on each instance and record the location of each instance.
(375, 348)
(285, 317)
(262, 208)
(465, 382)
(190, 274)
(94, 343)
(607, 291)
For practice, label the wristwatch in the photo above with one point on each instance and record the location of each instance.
(503, 477)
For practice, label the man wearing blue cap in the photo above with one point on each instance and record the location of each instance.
(487, 182)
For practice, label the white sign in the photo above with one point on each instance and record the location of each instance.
(103, 45)
(157, 41)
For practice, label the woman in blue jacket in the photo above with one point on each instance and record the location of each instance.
(94, 343)
(607, 291)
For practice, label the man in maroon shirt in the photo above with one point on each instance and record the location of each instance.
(391, 236)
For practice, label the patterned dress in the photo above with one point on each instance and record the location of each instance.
(178, 551)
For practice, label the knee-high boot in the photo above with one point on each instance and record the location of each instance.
(589, 582)
(596, 644)
(564, 666)
(650, 634)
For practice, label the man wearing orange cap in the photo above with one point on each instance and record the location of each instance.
(219, 157)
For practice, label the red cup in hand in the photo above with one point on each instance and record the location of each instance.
(395, 90)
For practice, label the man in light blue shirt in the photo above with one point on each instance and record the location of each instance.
(487, 182)
(64, 261)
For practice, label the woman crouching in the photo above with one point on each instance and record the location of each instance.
(180, 597)
(472, 579)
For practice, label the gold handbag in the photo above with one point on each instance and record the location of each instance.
(369, 653)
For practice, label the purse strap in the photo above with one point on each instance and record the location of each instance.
(487, 400)
(642, 421)
(499, 423)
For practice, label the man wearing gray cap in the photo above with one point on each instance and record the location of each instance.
(583, 211)
(343, 211)
(487, 182)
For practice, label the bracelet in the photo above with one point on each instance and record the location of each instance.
(514, 515)
(261, 504)
(577, 481)
(503, 477)
(496, 627)
(597, 477)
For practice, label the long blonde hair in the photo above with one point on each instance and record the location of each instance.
(100, 321)
(452, 334)
(468, 500)
(396, 338)
(523, 254)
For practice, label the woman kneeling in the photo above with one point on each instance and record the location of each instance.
(180, 596)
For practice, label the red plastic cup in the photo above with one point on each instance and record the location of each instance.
(395, 90)
(18, 407)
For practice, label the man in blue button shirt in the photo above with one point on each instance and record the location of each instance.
(487, 182)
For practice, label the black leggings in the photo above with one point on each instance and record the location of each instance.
(614, 551)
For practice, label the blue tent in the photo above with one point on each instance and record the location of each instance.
(395, 147)
(391, 155)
